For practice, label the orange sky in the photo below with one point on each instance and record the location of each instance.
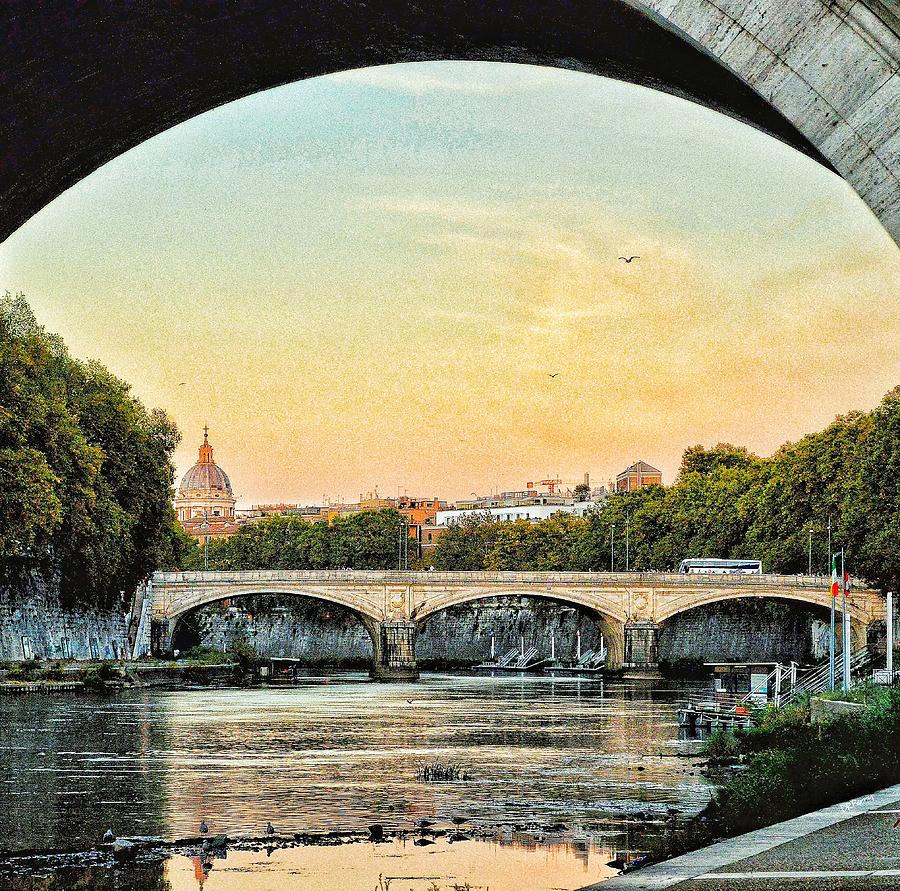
(366, 280)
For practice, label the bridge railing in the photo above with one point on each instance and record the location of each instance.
(407, 577)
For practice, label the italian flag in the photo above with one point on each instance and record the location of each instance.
(834, 577)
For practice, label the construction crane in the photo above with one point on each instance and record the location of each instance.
(551, 485)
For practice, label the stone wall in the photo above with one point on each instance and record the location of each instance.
(32, 623)
(740, 631)
(322, 633)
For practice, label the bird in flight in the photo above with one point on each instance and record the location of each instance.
(629, 259)
(553, 375)
(183, 384)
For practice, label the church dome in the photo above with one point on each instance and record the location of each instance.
(206, 475)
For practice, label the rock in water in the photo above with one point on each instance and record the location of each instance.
(217, 842)
(122, 848)
(376, 832)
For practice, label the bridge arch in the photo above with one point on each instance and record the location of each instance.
(181, 609)
(823, 78)
(607, 612)
(860, 617)
(196, 599)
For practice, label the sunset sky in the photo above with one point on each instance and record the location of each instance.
(366, 280)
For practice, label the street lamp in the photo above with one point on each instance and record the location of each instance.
(612, 546)
(627, 555)
(205, 525)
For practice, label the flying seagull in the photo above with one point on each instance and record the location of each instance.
(183, 384)
(553, 375)
(629, 259)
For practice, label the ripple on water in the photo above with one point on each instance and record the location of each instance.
(339, 753)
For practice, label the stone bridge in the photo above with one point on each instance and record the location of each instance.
(392, 605)
(84, 82)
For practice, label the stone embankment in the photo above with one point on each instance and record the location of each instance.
(33, 624)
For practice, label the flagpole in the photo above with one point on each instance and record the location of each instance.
(846, 624)
(831, 638)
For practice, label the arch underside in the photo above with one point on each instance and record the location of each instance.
(85, 84)
(607, 609)
(811, 598)
(608, 615)
(179, 608)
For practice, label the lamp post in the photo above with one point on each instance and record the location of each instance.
(627, 556)
(205, 525)
(809, 562)
(612, 548)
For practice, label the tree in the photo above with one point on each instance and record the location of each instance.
(582, 492)
(85, 469)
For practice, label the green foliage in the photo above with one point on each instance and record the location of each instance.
(85, 471)
(207, 656)
(95, 678)
(795, 766)
(366, 540)
(244, 652)
(722, 745)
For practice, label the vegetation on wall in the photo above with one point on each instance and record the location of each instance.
(726, 502)
(85, 469)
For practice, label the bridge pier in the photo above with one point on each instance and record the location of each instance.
(641, 649)
(393, 651)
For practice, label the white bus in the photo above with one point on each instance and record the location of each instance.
(713, 566)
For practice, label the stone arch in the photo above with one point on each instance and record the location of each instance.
(859, 615)
(607, 614)
(183, 608)
(823, 79)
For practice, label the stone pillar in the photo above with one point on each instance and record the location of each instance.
(394, 652)
(641, 651)
(160, 638)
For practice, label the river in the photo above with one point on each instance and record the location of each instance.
(552, 765)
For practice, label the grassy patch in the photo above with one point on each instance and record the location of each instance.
(207, 656)
(794, 767)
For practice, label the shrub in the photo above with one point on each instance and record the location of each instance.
(795, 766)
(244, 652)
(722, 745)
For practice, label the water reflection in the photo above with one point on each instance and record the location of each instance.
(71, 764)
(342, 753)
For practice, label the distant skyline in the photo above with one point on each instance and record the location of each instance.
(368, 279)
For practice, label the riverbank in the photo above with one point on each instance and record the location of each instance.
(98, 677)
(796, 760)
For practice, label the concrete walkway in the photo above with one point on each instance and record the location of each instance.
(850, 845)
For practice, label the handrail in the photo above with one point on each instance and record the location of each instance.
(666, 579)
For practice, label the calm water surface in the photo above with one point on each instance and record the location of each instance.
(340, 752)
